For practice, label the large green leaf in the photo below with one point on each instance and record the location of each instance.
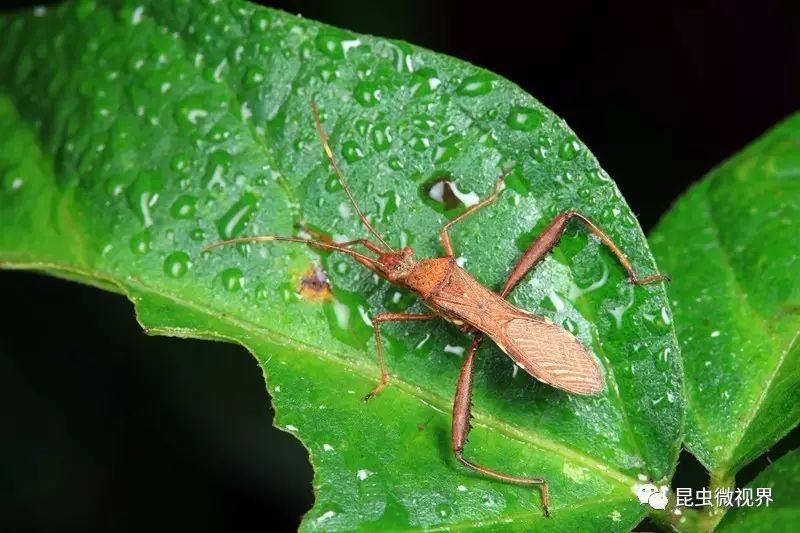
(782, 479)
(138, 132)
(731, 244)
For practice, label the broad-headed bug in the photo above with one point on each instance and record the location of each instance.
(545, 350)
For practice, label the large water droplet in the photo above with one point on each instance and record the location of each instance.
(143, 194)
(329, 42)
(570, 147)
(346, 314)
(425, 82)
(184, 207)
(352, 152)
(218, 164)
(232, 279)
(254, 77)
(475, 85)
(177, 264)
(381, 138)
(140, 243)
(235, 220)
(524, 118)
(367, 93)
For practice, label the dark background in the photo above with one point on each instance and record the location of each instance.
(102, 425)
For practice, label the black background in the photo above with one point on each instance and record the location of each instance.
(102, 425)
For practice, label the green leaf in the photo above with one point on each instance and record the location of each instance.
(731, 246)
(783, 479)
(140, 132)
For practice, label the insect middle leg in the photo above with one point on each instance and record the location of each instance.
(376, 324)
(462, 408)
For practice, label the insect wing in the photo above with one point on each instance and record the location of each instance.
(549, 353)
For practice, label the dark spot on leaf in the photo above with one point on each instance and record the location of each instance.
(314, 285)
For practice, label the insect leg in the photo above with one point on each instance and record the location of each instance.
(462, 407)
(376, 324)
(549, 238)
(498, 187)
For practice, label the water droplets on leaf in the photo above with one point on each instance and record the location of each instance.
(367, 93)
(143, 195)
(184, 207)
(235, 220)
(232, 279)
(475, 85)
(140, 242)
(177, 264)
(570, 148)
(352, 151)
(524, 118)
(345, 313)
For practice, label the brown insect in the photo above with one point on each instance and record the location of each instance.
(545, 350)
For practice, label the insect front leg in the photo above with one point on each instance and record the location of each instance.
(498, 188)
(462, 408)
(548, 239)
(376, 324)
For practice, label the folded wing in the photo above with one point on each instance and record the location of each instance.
(549, 353)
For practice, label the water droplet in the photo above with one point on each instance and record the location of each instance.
(524, 118)
(381, 138)
(329, 42)
(475, 85)
(398, 300)
(197, 234)
(352, 152)
(218, 164)
(235, 220)
(541, 148)
(569, 149)
(425, 82)
(395, 163)
(448, 149)
(443, 510)
(663, 359)
(232, 279)
(115, 185)
(387, 204)
(332, 184)
(140, 243)
(345, 314)
(367, 93)
(177, 264)
(262, 293)
(190, 111)
(254, 77)
(420, 143)
(184, 207)
(143, 194)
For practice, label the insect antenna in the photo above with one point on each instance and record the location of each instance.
(328, 246)
(323, 137)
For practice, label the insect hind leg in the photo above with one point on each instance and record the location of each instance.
(462, 412)
(549, 238)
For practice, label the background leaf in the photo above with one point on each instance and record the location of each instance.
(731, 245)
(141, 131)
(783, 477)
